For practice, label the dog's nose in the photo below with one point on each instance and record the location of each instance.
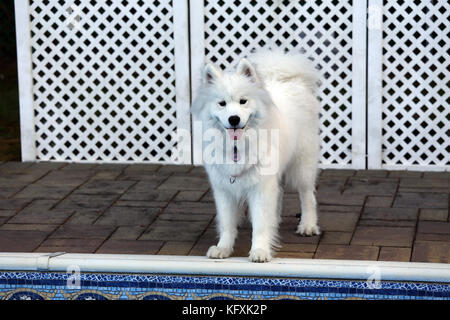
(234, 120)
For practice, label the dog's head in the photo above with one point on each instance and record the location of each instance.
(233, 99)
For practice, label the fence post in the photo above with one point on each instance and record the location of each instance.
(25, 79)
(182, 76)
(359, 85)
(196, 11)
(374, 84)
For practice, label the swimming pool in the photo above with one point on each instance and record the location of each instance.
(105, 277)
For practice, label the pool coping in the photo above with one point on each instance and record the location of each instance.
(197, 265)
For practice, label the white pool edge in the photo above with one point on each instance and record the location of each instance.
(202, 266)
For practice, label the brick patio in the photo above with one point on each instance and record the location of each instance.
(152, 209)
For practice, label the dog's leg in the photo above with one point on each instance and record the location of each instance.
(263, 205)
(227, 220)
(306, 185)
(308, 223)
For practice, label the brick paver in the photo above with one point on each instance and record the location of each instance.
(351, 252)
(434, 214)
(383, 236)
(421, 199)
(431, 251)
(21, 240)
(130, 246)
(169, 210)
(395, 254)
(70, 245)
(128, 216)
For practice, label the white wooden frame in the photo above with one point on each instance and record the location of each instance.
(25, 77)
(28, 106)
(182, 74)
(197, 55)
(375, 95)
(188, 18)
(359, 122)
(358, 139)
(374, 90)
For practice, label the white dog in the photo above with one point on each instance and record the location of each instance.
(272, 93)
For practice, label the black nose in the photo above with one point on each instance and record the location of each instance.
(234, 120)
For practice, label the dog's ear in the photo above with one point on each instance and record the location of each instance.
(246, 69)
(211, 73)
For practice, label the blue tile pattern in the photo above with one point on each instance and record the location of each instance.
(98, 286)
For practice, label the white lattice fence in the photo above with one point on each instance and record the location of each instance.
(330, 32)
(409, 85)
(109, 79)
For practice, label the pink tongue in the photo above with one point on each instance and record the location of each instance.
(235, 134)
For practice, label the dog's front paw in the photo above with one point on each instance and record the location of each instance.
(260, 255)
(308, 229)
(215, 252)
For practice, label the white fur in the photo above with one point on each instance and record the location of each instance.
(279, 89)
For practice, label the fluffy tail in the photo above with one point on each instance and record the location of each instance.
(282, 66)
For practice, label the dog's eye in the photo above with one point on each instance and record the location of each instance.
(243, 101)
(222, 103)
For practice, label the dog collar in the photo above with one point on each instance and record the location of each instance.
(233, 178)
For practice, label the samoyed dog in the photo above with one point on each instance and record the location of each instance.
(266, 113)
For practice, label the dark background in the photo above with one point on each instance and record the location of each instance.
(9, 97)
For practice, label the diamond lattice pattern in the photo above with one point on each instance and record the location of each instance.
(416, 125)
(321, 29)
(104, 80)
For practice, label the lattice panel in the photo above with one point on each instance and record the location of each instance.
(104, 80)
(416, 116)
(322, 29)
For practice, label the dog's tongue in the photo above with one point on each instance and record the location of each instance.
(235, 154)
(235, 134)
